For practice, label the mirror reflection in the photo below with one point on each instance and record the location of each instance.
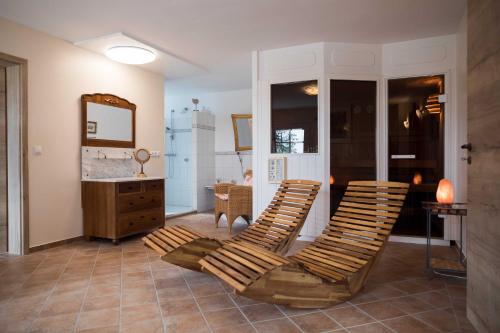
(105, 122)
(294, 117)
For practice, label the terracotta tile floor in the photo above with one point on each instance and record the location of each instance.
(99, 287)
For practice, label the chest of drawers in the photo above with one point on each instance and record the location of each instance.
(117, 209)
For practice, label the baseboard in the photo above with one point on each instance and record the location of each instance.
(173, 216)
(306, 238)
(418, 240)
(54, 244)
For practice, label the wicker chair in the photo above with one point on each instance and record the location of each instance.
(233, 201)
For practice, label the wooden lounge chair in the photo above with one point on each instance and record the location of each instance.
(275, 229)
(330, 270)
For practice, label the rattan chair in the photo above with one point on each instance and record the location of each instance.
(327, 272)
(275, 229)
(233, 201)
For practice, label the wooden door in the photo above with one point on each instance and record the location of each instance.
(483, 221)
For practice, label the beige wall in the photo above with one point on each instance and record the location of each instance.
(58, 74)
(483, 229)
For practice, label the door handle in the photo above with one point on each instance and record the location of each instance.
(467, 146)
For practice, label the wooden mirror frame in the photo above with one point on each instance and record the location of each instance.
(111, 100)
(235, 118)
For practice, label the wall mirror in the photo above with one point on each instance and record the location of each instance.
(294, 117)
(242, 127)
(107, 121)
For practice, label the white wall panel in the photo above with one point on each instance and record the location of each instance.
(419, 57)
(325, 61)
(345, 58)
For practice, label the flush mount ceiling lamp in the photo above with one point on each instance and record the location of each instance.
(131, 55)
(311, 90)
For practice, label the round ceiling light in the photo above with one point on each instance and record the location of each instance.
(132, 55)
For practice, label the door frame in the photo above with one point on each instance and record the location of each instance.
(19, 68)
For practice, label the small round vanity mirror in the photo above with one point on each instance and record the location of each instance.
(142, 156)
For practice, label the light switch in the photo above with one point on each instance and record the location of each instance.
(37, 150)
(155, 153)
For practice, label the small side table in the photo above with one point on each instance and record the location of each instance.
(439, 266)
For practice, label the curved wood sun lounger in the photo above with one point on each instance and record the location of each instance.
(275, 229)
(327, 272)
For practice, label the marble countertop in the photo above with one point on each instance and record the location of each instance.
(121, 179)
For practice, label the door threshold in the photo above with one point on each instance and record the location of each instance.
(418, 240)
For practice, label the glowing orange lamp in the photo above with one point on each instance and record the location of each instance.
(417, 178)
(444, 193)
(332, 180)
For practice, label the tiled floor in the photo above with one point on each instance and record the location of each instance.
(99, 287)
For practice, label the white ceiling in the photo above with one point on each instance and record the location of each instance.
(218, 35)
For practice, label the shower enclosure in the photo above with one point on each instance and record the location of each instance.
(178, 162)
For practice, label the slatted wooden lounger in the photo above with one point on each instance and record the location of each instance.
(275, 229)
(330, 270)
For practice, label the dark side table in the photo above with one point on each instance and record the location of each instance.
(440, 266)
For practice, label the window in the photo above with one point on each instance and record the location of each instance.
(289, 141)
(294, 117)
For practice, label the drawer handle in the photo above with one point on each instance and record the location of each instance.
(130, 187)
(154, 219)
(142, 216)
(141, 198)
(131, 224)
(131, 203)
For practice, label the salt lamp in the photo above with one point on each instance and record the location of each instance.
(444, 193)
(417, 178)
(332, 180)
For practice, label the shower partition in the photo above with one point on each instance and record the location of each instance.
(179, 165)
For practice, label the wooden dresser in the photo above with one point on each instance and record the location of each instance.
(117, 208)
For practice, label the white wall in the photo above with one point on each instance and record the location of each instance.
(58, 74)
(222, 105)
(325, 61)
(461, 184)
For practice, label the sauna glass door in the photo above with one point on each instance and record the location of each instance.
(416, 149)
(352, 135)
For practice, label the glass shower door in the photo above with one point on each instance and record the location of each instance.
(178, 163)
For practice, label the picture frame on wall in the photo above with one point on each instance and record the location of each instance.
(92, 127)
(276, 171)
